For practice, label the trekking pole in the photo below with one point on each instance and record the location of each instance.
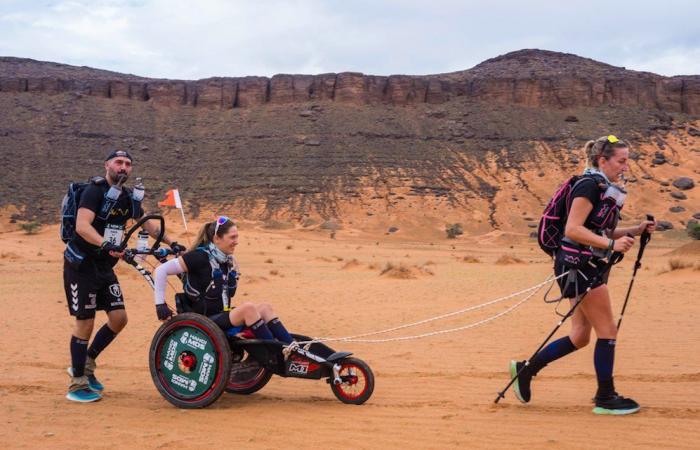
(571, 311)
(646, 237)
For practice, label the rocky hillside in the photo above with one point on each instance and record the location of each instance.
(483, 146)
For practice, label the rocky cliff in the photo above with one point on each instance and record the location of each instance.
(527, 77)
(483, 146)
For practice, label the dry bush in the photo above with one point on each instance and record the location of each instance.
(252, 279)
(323, 259)
(277, 225)
(32, 227)
(678, 264)
(454, 230)
(308, 223)
(471, 259)
(509, 259)
(9, 255)
(693, 230)
(404, 272)
(352, 264)
(400, 271)
(269, 261)
(330, 225)
(425, 270)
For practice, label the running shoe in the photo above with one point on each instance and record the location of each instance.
(615, 405)
(93, 383)
(80, 392)
(521, 386)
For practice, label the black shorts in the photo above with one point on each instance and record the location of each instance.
(87, 292)
(586, 276)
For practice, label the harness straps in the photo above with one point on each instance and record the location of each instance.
(218, 275)
(572, 277)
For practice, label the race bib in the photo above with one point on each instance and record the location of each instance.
(114, 234)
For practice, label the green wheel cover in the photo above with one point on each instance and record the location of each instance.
(192, 342)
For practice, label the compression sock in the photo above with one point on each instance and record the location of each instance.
(555, 350)
(261, 331)
(102, 339)
(279, 331)
(78, 354)
(603, 359)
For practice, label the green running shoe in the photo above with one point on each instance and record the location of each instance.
(521, 386)
(615, 405)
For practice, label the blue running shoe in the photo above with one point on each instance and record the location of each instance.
(84, 395)
(93, 382)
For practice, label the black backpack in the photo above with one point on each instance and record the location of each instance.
(69, 206)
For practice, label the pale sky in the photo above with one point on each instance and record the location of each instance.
(191, 39)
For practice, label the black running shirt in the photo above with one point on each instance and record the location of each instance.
(588, 188)
(113, 228)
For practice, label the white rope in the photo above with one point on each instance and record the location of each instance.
(435, 333)
(354, 338)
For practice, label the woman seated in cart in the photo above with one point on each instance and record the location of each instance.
(210, 279)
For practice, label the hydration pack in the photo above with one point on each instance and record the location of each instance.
(553, 221)
(223, 285)
(71, 201)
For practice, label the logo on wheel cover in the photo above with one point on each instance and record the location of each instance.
(193, 341)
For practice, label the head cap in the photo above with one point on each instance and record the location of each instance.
(117, 153)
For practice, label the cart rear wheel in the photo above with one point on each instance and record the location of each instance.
(189, 361)
(247, 375)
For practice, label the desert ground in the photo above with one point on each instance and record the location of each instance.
(435, 392)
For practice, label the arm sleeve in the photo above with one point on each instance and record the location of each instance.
(91, 198)
(171, 267)
(139, 209)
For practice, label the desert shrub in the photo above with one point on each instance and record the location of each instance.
(32, 227)
(694, 230)
(678, 264)
(509, 259)
(330, 225)
(277, 225)
(454, 230)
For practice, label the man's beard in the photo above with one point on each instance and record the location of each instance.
(118, 177)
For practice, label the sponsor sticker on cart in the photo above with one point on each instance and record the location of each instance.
(193, 341)
(184, 383)
(205, 369)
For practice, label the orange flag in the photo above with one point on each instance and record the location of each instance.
(172, 198)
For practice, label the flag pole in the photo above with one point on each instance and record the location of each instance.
(182, 213)
(187, 232)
